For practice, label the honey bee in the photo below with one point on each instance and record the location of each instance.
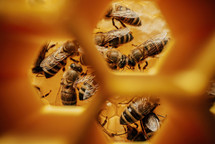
(123, 14)
(149, 125)
(137, 110)
(113, 38)
(68, 91)
(88, 88)
(51, 64)
(149, 48)
(115, 59)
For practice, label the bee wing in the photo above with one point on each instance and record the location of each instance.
(124, 14)
(152, 122)
(160, 36)
(116, 33)
(55, 58)
(145, 43)
(102, 50)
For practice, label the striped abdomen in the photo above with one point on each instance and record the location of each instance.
(136, 111)
(68, 96)
(121, 40)
(50, 69)
(123, 61)
(132, 21)
(155, 47)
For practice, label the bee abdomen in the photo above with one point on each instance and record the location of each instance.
(136, 22)
(51, 71)
(68, 96)
(123, 61)
(154, 48)
(126, 38)
(129, 37)
(129, 116)
(132, 21)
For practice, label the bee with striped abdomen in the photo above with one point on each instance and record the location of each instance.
(137, 110)
(113, 38)
(149, 48)
(123, 14)
(50, 65)
(68, 90)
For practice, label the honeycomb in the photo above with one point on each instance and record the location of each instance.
(180, 77)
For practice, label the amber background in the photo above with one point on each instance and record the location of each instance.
(182, 76)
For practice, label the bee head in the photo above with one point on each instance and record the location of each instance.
(76, 67)
(71, 47)
(112, 66)
(112, 56)
(99, 39)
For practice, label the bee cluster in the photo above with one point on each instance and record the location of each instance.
(134, 120)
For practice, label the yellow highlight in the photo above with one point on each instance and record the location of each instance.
(66, 110)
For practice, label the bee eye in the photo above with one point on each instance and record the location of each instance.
(72, 66)
(80, 69)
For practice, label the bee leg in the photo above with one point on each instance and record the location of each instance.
(113, 22)
(161, 116)
(51, 46)
(122, 23)
(76, 61)
(134, 45)
(38, 88)
(136, 125)
(63, 69)
(105, 122)
(43, 96)
(139, 66)
(143, 129)
(84, 73)
(145, 65)
(39, 75)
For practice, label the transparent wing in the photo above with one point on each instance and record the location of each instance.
(124, 14)
(116, 33)
(55, 58)
(102, 50)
